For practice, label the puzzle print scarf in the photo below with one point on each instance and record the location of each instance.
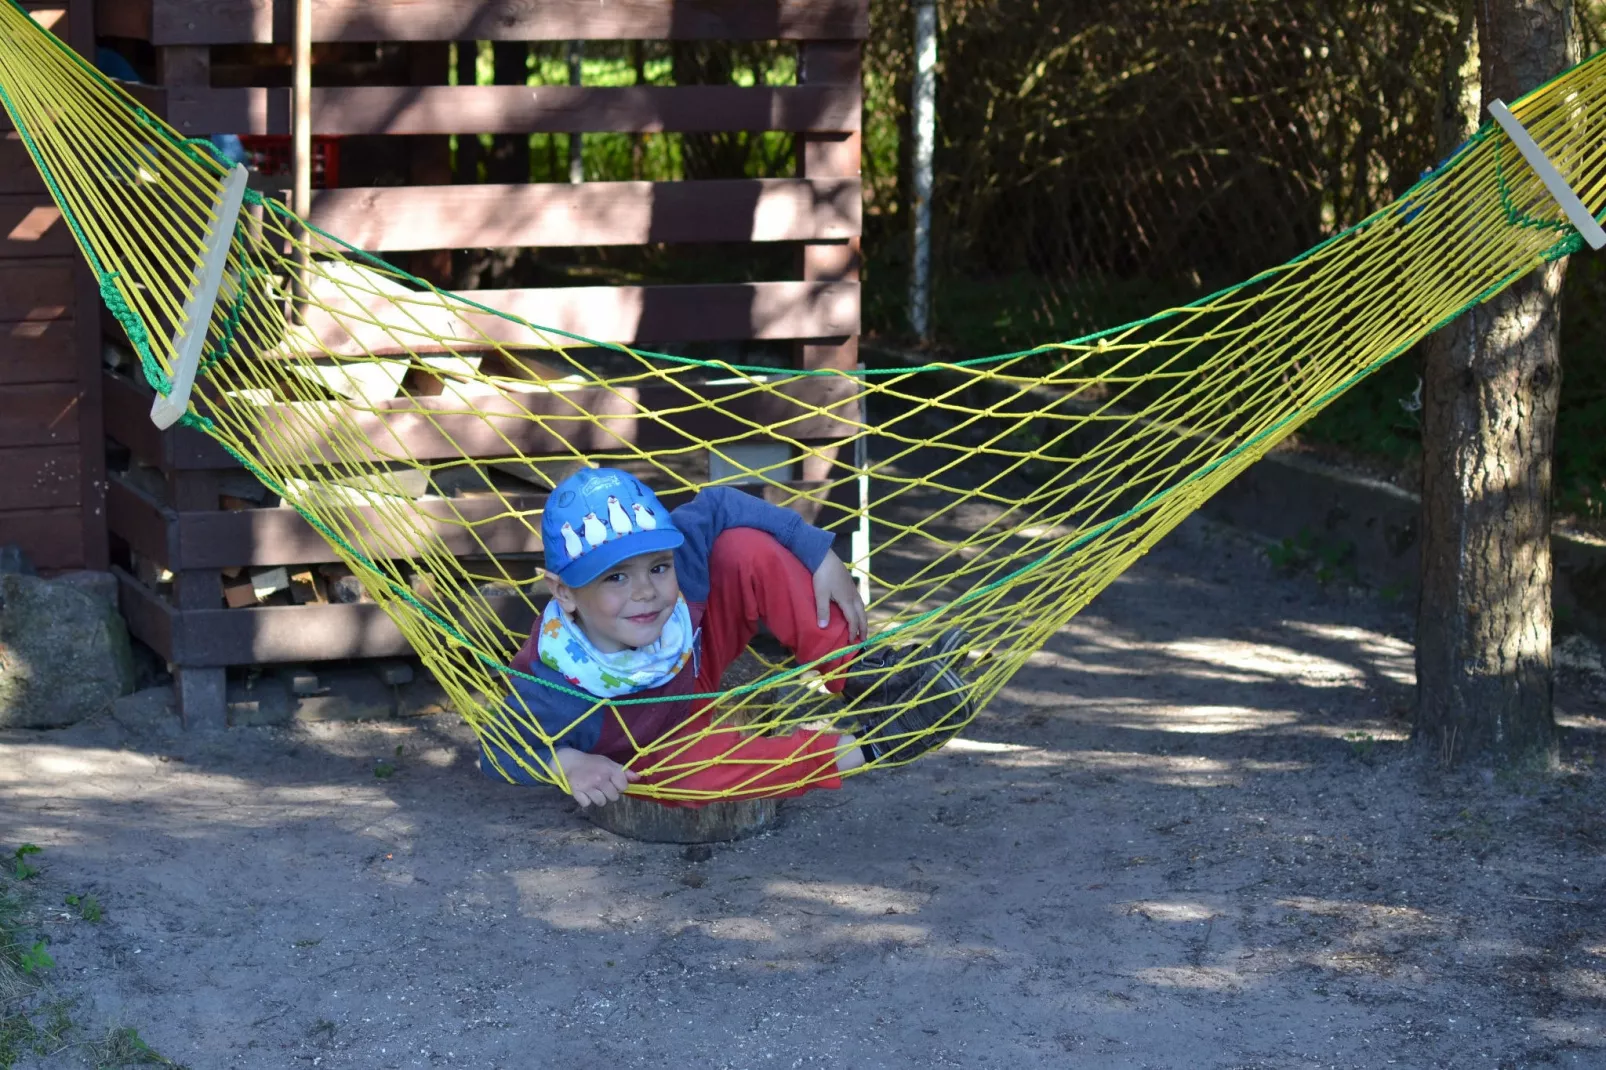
(566, 649)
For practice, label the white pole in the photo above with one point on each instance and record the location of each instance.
(923, 122)
(860, 542)
(301, 142)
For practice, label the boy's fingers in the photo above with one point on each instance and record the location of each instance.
(631, 775)
(822, 605)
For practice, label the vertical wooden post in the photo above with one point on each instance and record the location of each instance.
(201, 690)
(833, 155)
(430, 159)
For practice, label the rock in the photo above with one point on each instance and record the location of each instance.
(13, 560)
(64, 654)
(643, 819)
(394, 673)
(348, 696)
(422, 698)
(149, 712)
(100, 585)
(263, 701)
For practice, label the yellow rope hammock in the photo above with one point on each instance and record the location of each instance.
(1006, 491)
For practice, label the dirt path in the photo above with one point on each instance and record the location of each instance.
(1186, 836)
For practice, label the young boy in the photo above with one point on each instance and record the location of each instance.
(648, 604)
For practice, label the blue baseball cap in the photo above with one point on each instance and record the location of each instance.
(598, 517)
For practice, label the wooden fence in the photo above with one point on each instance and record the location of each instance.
(178, 526)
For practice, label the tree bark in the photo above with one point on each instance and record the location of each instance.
(1491, 386)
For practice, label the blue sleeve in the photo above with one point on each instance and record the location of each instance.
(718, 509)
(556, 713)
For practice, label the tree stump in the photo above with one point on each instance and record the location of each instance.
(643, 819)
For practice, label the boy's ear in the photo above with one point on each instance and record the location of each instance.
(562, 592)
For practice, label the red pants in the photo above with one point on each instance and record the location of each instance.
(752, 578)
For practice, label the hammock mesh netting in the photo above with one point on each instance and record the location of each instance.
(1005, 491)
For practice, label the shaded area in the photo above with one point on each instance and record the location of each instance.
(1184, 835)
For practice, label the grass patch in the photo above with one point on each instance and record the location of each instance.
(121, 1047)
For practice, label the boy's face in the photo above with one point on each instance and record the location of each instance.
(625, 607)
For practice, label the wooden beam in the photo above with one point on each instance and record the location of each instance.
(38, 352)
(53, 539)
(36, 290)
(144, 523)
(593, 213)
(39, 414)
(39, 477)
(17, 171)
(150, 620)
(267, 635)
(434, 428)
(170, 22)
(499, 109)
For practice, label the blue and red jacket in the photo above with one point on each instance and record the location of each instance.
(569, 718)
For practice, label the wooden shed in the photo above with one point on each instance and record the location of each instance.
(399, 86)
(52, 470)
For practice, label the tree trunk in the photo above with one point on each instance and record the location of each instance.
(1491, 386)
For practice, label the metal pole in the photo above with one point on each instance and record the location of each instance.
(301, 142)
(577, 163)
(860, 541)
(923, 122)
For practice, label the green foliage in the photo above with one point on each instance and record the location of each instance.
(89, 907)
(1326, 559)
(36, 959)
(1361, 745)
(20, 869)
(384, 770)
(124, 1047)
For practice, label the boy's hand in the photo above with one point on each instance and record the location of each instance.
(593, 779)
(833, 583)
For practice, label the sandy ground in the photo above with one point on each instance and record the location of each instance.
(1188, 835)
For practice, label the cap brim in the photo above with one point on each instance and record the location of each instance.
(593, 563)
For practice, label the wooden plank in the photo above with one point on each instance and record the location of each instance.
(266, 635)
(39, 414)
(52, 538)
(36, 290)
(144, 523)
(496, 109)
(39, 477)
(128, 420)
(38, 351)
(428, 428)
(656, 314)
(593, 213)
(17, 171)
(284, 537)
(171, 22)
(150, 620)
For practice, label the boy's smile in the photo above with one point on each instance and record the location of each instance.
(627, 606)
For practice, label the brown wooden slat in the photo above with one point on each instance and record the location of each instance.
(31, 226)
(141, 521)
(17, 171)
(39, 414)
(37, 352)
(150, 620)
(284, 537)
(427, 429)
(494, 109)
(647, 314)
(592, 213)
(35, 290)
(267, 635)
(52, 538)
(178, 22)
(39, 477)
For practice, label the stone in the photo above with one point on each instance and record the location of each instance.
(64, 654)
(348, 696)
(394, 673)
(100, 585)
(301, 681)
(152, 711)
(264, 700)
(13, 560)
(422, 698)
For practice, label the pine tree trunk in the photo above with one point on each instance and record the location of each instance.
(1491, 386)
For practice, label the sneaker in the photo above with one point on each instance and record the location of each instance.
(927, 700)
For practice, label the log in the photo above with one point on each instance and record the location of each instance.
(643, 819)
